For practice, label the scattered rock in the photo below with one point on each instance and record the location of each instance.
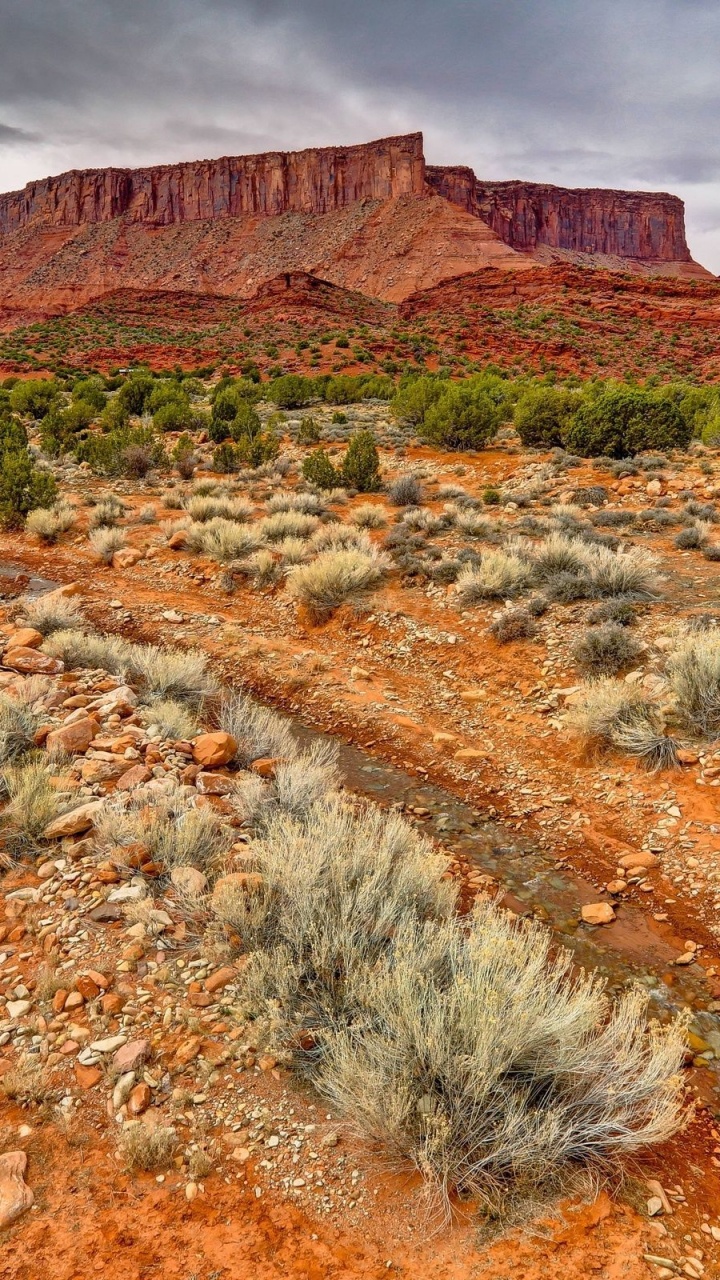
(74, 823)
(211, 750)
(15, 1196)
(188, 880)
(73, 739)
(131, 1056)
(598, 913)
(31, 662)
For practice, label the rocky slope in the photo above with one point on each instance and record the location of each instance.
(374, 218)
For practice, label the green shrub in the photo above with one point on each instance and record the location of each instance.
(620, 423)
(173, 415)
(361, 464)
(34, 397)
(108, 454)
(90, 391)
(256, 450)
(309, 432)
(291, 391)
(318, 470)
(412, 400)
(23, 487)
(465, 417)
(134, 394)
(226, 459)
(542, 414)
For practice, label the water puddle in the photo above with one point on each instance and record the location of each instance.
(15, 581)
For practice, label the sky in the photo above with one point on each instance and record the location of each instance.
(610, 93)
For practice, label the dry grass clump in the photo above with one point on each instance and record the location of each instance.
(368, 516)
(258, 731)
(336, 577)
(50, 612)
(144, 1149)
(301, 783)
(181, 674)
(632, 572)
(222, 539)
(202, 508)
(32, 803)
(406, 491)
(336, 884)
(479, 1057)
(287, 524)
(337, 536)
(470, 524)
(263, 567)
(422, 519)
(106, 513)
(79, 648)
(694, 672)
(48, 523)
(500, 575)
(105, 542)
(309, 503)
(513, 624)
(292, 551)
(27, 1082)
(559, 554)
(606, 650)
(174, 833)
(17, 728)
(173, 719)
(620, 716)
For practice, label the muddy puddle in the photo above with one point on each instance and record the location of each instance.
(15, 581)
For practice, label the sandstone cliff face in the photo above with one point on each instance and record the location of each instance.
(648, 226)
(314, 181)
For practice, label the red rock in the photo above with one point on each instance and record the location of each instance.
(75, 1000)
(126, 557)
(58, 1000)
(213, 784)
(187, 1051)
(74, 739)
(32, 662)
(137, 776)
(74, 823)
(87, 1077)
(88, 989)
(211, 750)
(131, 1056)
(189, 774)
(178, 540)
(112, 1003)
(100, 979)
(139, 1099)
(598, 913)
(641, 860)
(266, 766)
(24, 638)
(15, 1196)
(220, 978)
(199, 999)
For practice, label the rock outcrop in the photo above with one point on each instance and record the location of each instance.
(314, 181)
(375, 219)
(636, 225)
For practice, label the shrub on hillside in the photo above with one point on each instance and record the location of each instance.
(361, 464)
(542, 414)
(23, 487)
(605, 650)
(413, 399)
(291, 391)
(318, 470)
(135, 392)
(464, 417)
(694, 671)
(621, 423)
(34, 397)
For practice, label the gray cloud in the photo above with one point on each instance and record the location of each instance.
(609, 94)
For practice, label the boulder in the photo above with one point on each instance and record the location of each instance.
(126, 557)
(75, 822)
(24, 638)
(31, 662)
(131, 1056)
(72, 739)
(211, 750)
(15, 1196)
(188, 880)
(598, 913)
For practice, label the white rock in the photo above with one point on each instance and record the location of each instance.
(109, 1045)
(18, 1008)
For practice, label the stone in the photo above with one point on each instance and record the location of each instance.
(15, 1196)
(126, 557)
(122, 1090)
(236, 882)
(24, 638)
(131, 1056)
(74, 823)
(598, 913)
(214, 784)
(73, 739)
(220, 978)
(75, 1000)
(18, 1008)
(187, 1051)
(641, 860)
(139, 1099)
(106, 913)
(87, 1077)
(211, 750)
(120, 701)
(188, 880)
(110, 1044)
(178, 540)
(137, 776)
(31, 662)
(86, 988)
(266, 766)
(469, 754)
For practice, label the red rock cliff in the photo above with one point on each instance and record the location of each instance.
(648, 226)
(314, 181)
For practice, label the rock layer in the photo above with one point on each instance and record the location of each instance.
(643, 225)
(314, 181)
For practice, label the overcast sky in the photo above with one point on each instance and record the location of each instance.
(620, 93)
